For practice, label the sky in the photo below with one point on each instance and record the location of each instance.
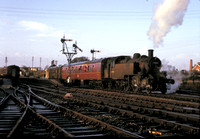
(115, 27)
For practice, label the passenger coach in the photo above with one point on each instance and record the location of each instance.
(82, 72)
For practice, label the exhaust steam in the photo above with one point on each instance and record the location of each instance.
(168, 14)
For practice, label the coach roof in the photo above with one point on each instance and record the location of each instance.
(85, 62)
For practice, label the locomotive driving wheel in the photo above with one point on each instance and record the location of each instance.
(136, 89)
(148, 89)
(110, 85)
(135, 84)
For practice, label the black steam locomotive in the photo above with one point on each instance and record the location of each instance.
(138, 73)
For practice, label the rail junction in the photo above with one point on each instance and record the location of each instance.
(38, 108)
(23, 113)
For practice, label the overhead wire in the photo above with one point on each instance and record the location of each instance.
(59, 13)
(14, 10)
(81, 11)
(76, 11)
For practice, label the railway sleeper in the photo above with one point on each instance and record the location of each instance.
(88, 120)
(151, 105)
(184, 128)
(147, 116)
(154, 112)
(144, 112)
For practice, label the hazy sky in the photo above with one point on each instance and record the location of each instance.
(115, 27)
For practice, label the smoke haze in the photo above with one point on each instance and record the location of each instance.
(167, 14)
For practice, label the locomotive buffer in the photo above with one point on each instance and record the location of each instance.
(69, 54)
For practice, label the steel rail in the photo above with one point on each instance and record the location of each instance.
(114, 130)
(5, 98)
(33, 112)
(28, 110)
(112, 107)
(19, 122)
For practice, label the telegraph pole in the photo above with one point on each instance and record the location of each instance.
(6, 61)
(69, 54)
(40, 63)
(32, 60)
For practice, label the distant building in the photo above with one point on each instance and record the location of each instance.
(28, 71)
(196, 67)
(34, 68)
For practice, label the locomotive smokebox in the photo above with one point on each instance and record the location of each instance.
(150, 53)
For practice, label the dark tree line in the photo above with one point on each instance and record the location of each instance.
(79, 59)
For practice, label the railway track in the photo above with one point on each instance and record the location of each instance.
(23, 113)
(18, 119)
(143, 115)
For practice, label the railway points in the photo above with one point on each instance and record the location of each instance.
(56, 120)
(141, 114)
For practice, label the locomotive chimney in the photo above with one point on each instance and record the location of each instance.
(150, 53)
(190, 65)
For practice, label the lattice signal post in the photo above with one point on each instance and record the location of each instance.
(69, 54)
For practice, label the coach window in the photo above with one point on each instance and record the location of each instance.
(90, 68)
(80, 68)
(66, 70)
(97, 67)
(72, 69)
(76, 70)
(112, 64)
(93, 68)
(85, 68)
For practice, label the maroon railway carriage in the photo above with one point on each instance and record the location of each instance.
(82, 72)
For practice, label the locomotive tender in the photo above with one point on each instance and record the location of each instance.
(122, 73)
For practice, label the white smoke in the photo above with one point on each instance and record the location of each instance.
(175, 74)
(168, 14)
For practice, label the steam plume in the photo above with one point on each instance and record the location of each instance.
(169, 13)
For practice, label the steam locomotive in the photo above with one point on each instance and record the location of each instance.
(140, 73)
(9, 75)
